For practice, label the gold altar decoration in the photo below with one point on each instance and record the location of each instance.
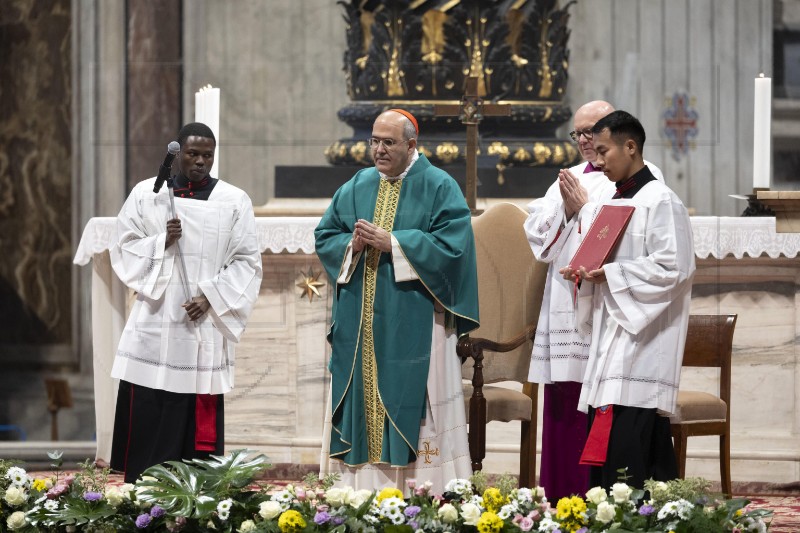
(418, 54)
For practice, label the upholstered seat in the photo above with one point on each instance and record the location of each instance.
(709, 343)
(695, 405)
(510, 289)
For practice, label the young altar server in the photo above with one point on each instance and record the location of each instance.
(637, 309)
(560, 352)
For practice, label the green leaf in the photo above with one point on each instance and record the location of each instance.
(184, 488)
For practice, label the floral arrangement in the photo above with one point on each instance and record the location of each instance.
(221, 495)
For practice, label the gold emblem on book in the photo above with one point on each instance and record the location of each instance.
(603, 233)
(428, 452)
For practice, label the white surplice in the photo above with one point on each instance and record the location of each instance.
(560, 352)
(160, 347)
(638, 318)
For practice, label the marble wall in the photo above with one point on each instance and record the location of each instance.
(638, 53)
(279, 67)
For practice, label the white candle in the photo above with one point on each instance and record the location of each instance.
(206, 110)
(762, 137)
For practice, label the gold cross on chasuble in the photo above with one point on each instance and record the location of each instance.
(471, 111)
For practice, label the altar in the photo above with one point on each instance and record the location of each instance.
(278, 403)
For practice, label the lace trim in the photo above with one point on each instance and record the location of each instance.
(385, 209)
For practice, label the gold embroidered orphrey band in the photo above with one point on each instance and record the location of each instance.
(385, 209)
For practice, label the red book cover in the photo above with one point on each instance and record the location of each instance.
(602, 237)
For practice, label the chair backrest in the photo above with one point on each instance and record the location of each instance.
(709, 343)
(510, 289)
(709, 340)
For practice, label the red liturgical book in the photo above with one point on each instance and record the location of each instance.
(602, 237)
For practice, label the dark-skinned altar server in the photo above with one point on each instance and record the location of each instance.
(175, 359)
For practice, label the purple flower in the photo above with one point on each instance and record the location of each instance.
(414, 525)
(337, 520)
(157, 511)
(583, 530)
(91, 496)
(322, 517)
(646, 510)
(143, 520)
(411, 511)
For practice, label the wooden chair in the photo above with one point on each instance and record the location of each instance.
(709, 343)
(510, 288)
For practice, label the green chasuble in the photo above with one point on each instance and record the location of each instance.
(381, 329)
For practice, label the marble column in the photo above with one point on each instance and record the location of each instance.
(154, 81)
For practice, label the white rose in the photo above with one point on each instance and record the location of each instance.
(606, 512)
(357, 498)
(471, 513)
(448, 513)
(269, 510)
(247, 526)
(16, 520)
(114, 496)
(540, 492)
(126, 489)
(596, 495)
(336, 496)
(15, 496)
(621, 492)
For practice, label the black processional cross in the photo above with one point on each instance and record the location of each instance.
(471, 111)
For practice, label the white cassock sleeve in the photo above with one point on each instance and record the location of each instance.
(640, 289)
(233, 291)
(546, 226)
(139, 258)
(403, 271)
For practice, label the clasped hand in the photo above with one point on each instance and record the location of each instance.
(573, 193)
(366, 233)
(594, 276)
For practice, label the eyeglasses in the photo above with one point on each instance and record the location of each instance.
(387, 143)
(575, 135)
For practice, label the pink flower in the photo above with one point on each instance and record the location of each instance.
(517, 518)
(301, 494)
(323, 508)
(57, 491)
(411, 483)
(526, 524)
(534, 515)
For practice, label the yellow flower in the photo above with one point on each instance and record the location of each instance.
(39, 484)
(493, 499)
(739, 512)
(563, 508)
(490, 523)
(291, 521)
(388, 492)
(578, 506)
(571, 512)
